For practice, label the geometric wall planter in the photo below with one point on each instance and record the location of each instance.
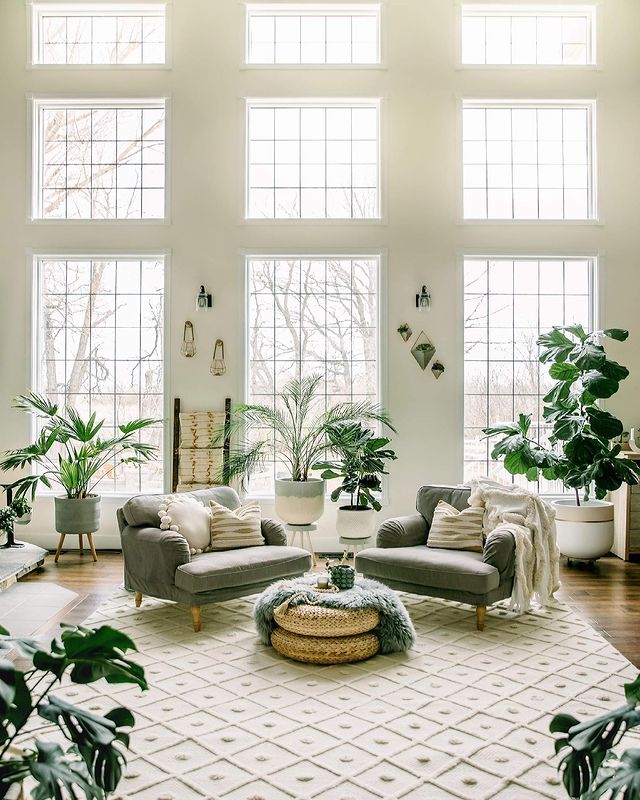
(423, 350)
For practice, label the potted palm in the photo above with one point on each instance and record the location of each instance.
(71, 453)
(581, 454)
(297, 439)
(360, 463)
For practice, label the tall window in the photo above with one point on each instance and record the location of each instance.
(289, 33)
(99, 347)
(312, 315)
(510, 34)
(98, 33)
(508, 302)
(528, 160)
(98, 159)
(313, 160)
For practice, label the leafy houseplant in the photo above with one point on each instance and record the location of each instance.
(581, 454)
(590, 769)
(7, 518)
(360, 463)
(92, 763)
(23, 510)
(71, 453)
(298, 439)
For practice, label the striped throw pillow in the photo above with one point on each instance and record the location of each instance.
(456, 530)
(233, 529)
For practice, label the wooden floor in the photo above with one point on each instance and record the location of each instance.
(607, 595)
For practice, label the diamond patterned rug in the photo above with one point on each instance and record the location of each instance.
(462, 715)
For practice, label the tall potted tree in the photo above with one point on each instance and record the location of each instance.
(360, 463)
(71, 453)
(581, 454)
(297, 439)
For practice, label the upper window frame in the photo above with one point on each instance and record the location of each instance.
(34, 179)
(345, 8)
(91, 8)
(532, 9)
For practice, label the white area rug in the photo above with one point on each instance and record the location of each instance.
(462, 715)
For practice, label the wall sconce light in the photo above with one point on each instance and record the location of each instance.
(218, 367)
(203, 300)
(188, 348)
(423, 299)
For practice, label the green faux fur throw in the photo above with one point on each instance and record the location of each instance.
(396, 631)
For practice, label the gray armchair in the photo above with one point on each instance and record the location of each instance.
(158, 563)
(404, 562)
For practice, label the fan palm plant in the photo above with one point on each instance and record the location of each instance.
(300, 434)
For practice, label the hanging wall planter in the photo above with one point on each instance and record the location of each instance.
(423, 350)
(437, 368)
(188, 348)
(405, 331)
(218, 367)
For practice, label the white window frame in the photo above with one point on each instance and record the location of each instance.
(346, 8)
(35, 9)
(381, 320)
(33, 257)
(319, 102)
(595, 310)
(589, 104)
(36, 103)
(514, 9)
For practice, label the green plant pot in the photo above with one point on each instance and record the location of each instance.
(77, 515)
(342, 575)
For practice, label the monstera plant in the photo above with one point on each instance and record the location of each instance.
(581, 454)
(590, 769)
(90, 764)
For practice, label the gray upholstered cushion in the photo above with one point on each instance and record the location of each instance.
(429, 496)
(210, 571)
(143, 508)
(447, 569)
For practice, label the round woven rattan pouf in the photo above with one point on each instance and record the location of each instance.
(325, 649)
(312, 620)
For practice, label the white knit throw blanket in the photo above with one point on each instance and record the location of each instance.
(532, 523)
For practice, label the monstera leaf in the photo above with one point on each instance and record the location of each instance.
(620, 781)
(59, 774)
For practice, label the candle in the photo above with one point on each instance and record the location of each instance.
(323, 583)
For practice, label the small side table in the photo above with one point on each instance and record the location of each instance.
(354, 545)
(80, 535)
(304, 532)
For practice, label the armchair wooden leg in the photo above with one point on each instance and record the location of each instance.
(480, 615)
(138, 599)
(196, 618)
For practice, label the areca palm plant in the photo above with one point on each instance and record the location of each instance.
(70, 451)
(301, 432)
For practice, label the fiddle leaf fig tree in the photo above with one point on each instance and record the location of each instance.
(581, 454)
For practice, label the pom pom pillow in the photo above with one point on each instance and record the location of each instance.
(188, 517)
(456, 530)
(233, 529)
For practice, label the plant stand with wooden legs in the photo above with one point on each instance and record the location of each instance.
(94, 555)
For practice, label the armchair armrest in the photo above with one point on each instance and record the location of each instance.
(500, 552)
(273, 532)
(151, 557)
(406, 531)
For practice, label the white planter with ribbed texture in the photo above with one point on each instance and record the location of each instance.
(299, 502)
(355, 523)
(584, 531)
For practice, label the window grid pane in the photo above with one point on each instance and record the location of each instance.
(322, 35)
(312, 161)
(100, 335)
(92, 33)
(508, 303)
(520, 35)
(311, 315)
(528, 162)
(99, 161)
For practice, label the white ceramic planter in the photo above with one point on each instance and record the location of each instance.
(584, 531)
(77, 515)
(25, 519)
(299, 502)
(355, 523)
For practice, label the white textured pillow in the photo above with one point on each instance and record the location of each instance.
(188, 517)
(233, 529)
(456, 530)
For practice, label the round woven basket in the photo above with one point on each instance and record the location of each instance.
(311, 620)
(325, 649)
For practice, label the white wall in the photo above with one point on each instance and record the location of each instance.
(421, 90)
